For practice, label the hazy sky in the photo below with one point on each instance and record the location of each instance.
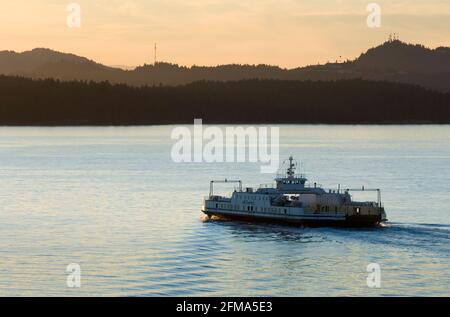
(209, 32)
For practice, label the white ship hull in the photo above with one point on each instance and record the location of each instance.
(292, 201)
(306, 220)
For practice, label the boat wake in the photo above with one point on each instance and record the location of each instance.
(411, 236)
(424, 229)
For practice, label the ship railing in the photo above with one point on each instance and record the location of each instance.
(363, 189)
(211, 186)
(363, 203)
(264, 186)
(313, 185)
(285, 175)
(217, 198)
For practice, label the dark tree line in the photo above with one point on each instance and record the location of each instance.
(50, 102)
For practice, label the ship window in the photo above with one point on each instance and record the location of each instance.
(285, 211)
(217, 205)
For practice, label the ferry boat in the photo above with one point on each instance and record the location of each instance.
(294, 201)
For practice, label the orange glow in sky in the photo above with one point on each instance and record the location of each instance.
(288, 33)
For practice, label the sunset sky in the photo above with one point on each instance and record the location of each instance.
(209, 32)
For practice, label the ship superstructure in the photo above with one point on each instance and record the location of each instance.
(292, 200)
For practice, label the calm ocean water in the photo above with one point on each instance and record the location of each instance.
(111, 200)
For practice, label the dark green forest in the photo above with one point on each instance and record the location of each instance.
(50, 102)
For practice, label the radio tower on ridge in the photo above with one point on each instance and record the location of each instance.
(155, 55)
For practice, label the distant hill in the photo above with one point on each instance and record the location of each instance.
(46, 63)
(398, 56)
(397, 61)
(49, 102)
(392, 61)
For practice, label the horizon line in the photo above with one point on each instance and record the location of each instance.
(133, 67)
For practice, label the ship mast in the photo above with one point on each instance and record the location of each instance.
(291, 168)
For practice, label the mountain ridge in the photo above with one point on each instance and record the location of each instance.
(393, 60)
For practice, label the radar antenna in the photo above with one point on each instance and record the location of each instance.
(291, 168)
